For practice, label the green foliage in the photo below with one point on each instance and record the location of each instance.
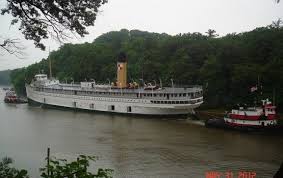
(6, 171)
(5, 77)
(59, 168)
(41, 19)
(226, 66)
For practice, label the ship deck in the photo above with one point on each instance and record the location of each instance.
(107, 88)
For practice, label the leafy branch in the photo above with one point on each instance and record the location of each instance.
(12, 46)
(41, 19)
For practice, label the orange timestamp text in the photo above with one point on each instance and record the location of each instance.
(230, 174)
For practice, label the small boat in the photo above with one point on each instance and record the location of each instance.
(248, 118)
(5, 89)
(11, 97)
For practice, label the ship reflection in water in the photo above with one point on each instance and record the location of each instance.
(134, 146)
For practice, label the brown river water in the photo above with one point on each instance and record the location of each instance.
(138, 147)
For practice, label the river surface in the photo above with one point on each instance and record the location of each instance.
(133, 146)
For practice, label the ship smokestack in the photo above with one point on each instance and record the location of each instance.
(122, 70)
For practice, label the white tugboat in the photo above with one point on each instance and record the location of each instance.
(119, 97)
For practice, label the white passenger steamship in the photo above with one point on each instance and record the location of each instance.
(120, 97)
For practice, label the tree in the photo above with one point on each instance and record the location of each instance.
(59, 168)
(211, 33)
(7, 171)
(41, 19)
(226, 66)
(277, 24)
(12, 46)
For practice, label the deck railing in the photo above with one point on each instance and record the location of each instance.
(138, 93)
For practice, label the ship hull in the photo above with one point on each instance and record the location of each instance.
(107, 104)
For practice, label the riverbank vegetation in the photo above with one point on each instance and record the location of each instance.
(5, 77)
(57, 168)
(227, 67)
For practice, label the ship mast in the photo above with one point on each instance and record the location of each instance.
(50, 69)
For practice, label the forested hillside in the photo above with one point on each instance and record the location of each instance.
(227, 67)
(5, 77)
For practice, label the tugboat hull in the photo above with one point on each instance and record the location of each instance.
(222, 124)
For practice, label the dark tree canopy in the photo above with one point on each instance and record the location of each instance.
(227, 66)
(211, 33)
(41, 19)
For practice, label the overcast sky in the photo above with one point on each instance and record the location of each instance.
(172, 17)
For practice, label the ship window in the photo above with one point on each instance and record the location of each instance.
(175, 95)
(160, 95)
(184, 94)
(129, 109)
(172, 95)
(173, 102)
(177, 102)
(154, 95)
(91, 106)
(112, 107)
(180, 94)
(169, 102)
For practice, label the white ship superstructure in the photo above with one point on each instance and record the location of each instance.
(118, 98)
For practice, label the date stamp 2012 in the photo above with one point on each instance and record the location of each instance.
(230, 174)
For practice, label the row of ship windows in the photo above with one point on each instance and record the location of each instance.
(143, 101)
(105, 99)
(176, 102)
(138, 95)
(110, 108)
